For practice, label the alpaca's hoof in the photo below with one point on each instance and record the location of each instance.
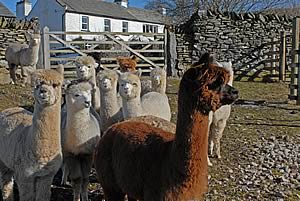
(209, 163)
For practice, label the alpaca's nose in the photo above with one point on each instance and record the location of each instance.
(234, 92)
(87, 103)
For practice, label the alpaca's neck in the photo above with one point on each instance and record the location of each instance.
(132, 107)
(109, 102)
(189, 150)
(161, 87)
(45, 130)
(77, 117)
(33, 51)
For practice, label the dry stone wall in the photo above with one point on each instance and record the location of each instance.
(241, 38)
(13, 31)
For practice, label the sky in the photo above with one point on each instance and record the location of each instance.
(11, 4)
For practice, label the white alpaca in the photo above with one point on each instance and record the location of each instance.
(86, 70)
(25, 56)
(30, 144)
(157, 82)
(80, 132)
(218, 119)
(111, 103)
(152, 103)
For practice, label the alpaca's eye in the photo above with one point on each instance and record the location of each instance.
(216, 85)
(134, 84)
(77, 95)
(54, 85)
(122, 85)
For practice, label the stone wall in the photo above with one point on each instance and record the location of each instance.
(242, 38)
(14, 31)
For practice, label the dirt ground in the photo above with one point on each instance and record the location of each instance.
(263, 112)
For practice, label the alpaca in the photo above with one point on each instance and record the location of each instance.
(25, 56)
(80, 132)
(148, 163)
(152, 103)
(157, 82)
(86, 70)
(155, 122)
(30, 144)
(110, 111)
(127, 64)
(218, 119)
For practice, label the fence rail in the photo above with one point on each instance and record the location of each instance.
(58, 48)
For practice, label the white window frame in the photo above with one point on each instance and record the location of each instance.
(107, 25)
(85, 23)
(125, 28)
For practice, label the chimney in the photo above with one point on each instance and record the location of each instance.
(164, 11)
(23, 8)
(123, 3)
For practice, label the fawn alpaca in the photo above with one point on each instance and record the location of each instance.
(30, 144)
(148, 163)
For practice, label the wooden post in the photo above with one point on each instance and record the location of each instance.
(165, 49)
(298, 80)
(282, 56)
(46, 47)
(273, 63)
(295, 59)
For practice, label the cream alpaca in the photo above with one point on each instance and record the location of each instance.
(152, 103)
(86, 70)
(110, 111)
(80, 133)
(25, 56)
(30, 144)
(218, 119)
(157, 82)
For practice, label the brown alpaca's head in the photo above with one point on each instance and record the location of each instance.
(127, 64)
(207, 85)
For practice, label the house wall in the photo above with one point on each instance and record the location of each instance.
(96, 24)
(50, 14)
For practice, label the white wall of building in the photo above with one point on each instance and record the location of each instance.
(50, 14)
(96, 24)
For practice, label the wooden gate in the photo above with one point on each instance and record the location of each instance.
(64, 47)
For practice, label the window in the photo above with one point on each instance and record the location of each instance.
(84, 23)
(125, 26)
(148, 28)
(107, 25)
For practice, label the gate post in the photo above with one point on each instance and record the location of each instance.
(282, 56)
(46, 47)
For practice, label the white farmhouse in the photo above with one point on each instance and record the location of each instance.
(91, 16)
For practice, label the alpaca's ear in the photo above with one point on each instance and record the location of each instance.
(134, 57)
(204, 59)
(60, 69)
(119, 73)
(118, 60)
(138, 72)
(212, 59)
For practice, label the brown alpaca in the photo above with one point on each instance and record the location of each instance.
(150, 164)
(127, 64)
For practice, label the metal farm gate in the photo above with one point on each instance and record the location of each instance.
(64, 47)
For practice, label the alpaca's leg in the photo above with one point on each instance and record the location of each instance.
(43, 187)
(26, 189)
(6, 183)
(86, 166)
(12, 72)
(218, 135)
(75, 176)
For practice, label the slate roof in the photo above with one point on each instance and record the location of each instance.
(112, 10)
(4, 11)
